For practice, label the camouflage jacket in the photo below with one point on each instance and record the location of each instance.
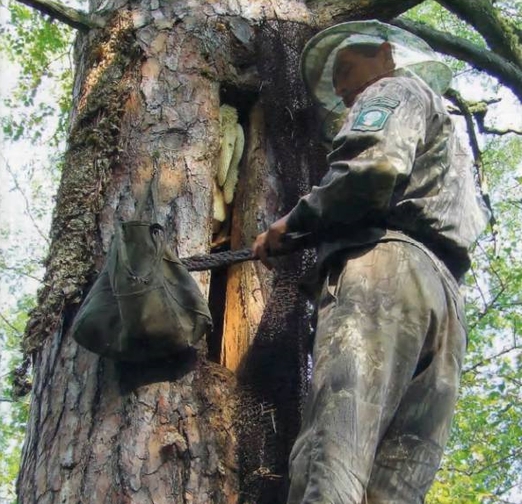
(397, 164)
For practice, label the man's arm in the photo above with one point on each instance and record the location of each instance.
(373, 153)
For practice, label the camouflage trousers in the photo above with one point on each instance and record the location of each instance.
(387, 358)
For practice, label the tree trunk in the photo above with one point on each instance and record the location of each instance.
(147, 94)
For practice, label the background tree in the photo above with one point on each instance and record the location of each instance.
(149, 80)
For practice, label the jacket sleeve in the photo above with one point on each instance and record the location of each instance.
(372, 156)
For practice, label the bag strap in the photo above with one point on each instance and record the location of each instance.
(153, 192)
(158, 238)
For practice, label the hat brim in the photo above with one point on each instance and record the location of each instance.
(409, 52)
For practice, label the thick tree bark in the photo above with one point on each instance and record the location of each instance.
(147, 94)
(145, 97)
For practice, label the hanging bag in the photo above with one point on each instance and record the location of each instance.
(144, 305)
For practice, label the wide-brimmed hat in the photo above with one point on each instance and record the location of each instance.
(409, 52)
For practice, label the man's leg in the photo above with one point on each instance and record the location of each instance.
(409, 454)
(374, 321)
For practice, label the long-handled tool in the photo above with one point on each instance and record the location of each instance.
(291, 242)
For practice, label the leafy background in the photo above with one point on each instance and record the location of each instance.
(35, 92)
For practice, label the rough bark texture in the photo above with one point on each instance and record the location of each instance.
(102, 432)
(147, 94)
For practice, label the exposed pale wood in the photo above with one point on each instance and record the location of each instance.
(247, 290)
(244, 309)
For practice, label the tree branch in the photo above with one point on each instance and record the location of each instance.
(25, 198)
(486, 309)
(6, 321)
(479, 110)
(495, 65)
(498, 32)
(487, 360)
(457, 100)
(497, 131)
(513, 455)
(477, 107)
(483, 128)
(18, 271)
(477, 286)
(328, 12)
(72, 17)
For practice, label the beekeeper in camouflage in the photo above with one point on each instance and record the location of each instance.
(401, 210)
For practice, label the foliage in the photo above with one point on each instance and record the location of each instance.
(435, 15)
(13, 412)
(37, 101)
(38, 47)
(483, 462)
(35, 104)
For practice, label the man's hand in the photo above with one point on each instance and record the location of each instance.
(270, 241)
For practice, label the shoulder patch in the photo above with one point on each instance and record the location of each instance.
(375, 113)
(371, 119)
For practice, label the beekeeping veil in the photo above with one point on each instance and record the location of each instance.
(410, 53)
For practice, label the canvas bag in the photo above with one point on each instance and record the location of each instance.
(144, 305)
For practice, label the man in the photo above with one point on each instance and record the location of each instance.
(396, 213)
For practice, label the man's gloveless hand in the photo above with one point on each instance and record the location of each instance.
(271, 241)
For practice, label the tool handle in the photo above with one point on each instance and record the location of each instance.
(291, 242)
